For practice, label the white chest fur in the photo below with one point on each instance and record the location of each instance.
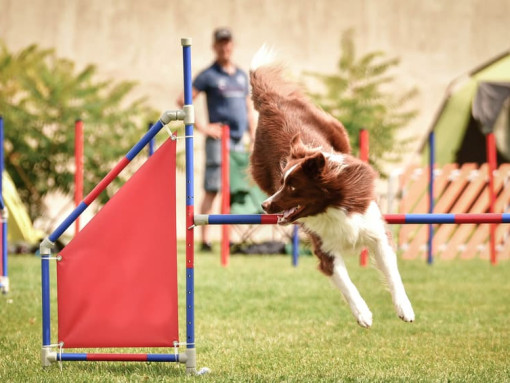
(342, 233)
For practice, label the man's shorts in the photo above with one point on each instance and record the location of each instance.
(212, 177)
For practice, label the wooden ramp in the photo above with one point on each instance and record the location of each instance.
(457, 190)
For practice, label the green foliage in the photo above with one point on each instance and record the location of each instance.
(41, 96)
(361, 96)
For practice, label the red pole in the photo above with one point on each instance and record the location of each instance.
(492, 162)
(363, 145)
(363, 155)
(78, 174)
(225, 194)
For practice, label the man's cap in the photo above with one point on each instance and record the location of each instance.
(222, 34)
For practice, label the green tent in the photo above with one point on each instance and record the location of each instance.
(458, 134)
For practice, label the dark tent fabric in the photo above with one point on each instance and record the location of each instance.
(472, 148)
(459, 120)
(488, 102)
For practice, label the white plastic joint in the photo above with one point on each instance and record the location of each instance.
(46, 246)
(4, 285)
(186, 41)
(200, 219)
(191, 361)
(183, 357)
(48, 356)
(4, 214)
(189, 112)
(172, 115)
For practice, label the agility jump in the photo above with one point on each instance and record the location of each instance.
(116, 280)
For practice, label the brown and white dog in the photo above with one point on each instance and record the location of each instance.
(301, 159)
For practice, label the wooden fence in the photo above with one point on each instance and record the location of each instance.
(457, 190)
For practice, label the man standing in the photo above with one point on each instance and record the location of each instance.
(228, 103)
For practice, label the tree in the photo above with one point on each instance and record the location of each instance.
(41, 96)
(361, 96)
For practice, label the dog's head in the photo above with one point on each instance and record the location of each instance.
(303, 191)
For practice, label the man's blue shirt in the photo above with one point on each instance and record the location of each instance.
(226, 97)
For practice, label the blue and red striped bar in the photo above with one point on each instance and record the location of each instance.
(271, 219)
(447, 218)
(106, 181)
(236, 219)
(90, 357)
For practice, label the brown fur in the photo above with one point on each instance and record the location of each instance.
(291, 130)
(285, 111)
(326, 261)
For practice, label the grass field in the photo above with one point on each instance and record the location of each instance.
(262, 320)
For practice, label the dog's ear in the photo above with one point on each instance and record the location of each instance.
(297, 148)
(314, 165)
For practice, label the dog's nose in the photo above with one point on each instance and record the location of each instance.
(265, 205)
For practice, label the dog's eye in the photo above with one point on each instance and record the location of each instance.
(292, 188)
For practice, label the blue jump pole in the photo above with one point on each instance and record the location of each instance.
(190, 236)
(432, 150)
(295, 245)
(152, 142)
(4, 280)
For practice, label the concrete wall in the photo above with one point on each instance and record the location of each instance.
(436, 40)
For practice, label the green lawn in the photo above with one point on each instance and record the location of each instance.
(262, 320)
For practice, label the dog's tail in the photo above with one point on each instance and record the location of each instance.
(263, 57)
(268, 84)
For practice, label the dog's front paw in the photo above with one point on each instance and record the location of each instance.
(363, 317)
(404, 310)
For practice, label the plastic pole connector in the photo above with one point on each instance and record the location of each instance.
(189, 112)
(48, 356)
(172, 115)
(201, 219)
(46, 246)
(191, 361)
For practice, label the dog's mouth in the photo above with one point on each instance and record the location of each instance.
(290, 215)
